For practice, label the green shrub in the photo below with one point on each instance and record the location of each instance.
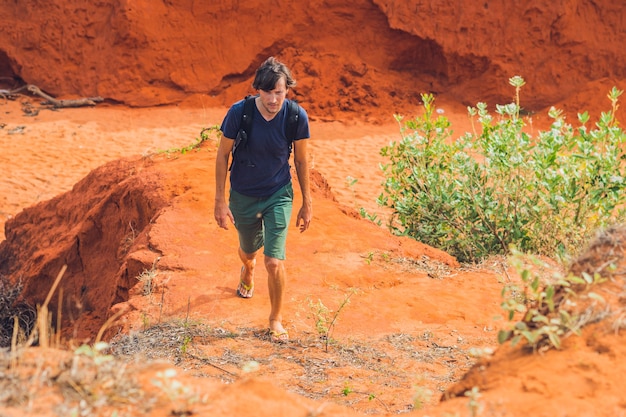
(484, 192)
(541, 307)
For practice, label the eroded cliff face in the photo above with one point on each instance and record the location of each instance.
(371, 57)
(558, 47)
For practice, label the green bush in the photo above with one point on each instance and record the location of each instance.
(485, 192)
(541, 306)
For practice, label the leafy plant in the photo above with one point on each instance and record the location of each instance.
(541, 304)
(205, 134)
(184, 347)
(347, 390)
(350, 182)
(373, 217)
(145, 321)
(483, 192)
(326, 319)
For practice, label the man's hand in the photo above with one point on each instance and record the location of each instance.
(223, 215)
(305, 215)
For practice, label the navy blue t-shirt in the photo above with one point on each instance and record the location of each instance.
(261, 167)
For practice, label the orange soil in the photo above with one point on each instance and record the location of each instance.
(98, 198)
(86, 188)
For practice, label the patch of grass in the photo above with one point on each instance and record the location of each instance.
(146, 278)
(208, 133)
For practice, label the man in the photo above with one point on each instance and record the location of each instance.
(261, 192)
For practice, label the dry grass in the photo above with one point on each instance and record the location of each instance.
(432, 268)
(95, 380)
(14, 312)
(371, 367)
(80, 383)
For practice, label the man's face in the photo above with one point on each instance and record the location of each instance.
(273, 100)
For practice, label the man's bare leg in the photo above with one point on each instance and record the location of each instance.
(276, 284)
(247, 275)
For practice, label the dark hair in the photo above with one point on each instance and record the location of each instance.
(269, 73)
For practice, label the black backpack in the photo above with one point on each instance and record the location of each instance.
(293, 116)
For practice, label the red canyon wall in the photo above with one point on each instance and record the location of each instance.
(367, 56)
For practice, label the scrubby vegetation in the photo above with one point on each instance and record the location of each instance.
(499, 187)
(501, 191)
(17, 318)
(548, 305)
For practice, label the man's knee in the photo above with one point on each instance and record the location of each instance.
(272, 264)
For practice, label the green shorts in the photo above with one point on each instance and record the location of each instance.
(263, 222)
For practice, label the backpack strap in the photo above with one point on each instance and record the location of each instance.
(248, 113)
(245, 126)
(293, 117)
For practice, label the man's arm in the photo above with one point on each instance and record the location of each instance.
(302, 170)
(221, 211)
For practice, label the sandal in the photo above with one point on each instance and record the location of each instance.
(244, 290)
(278, 337)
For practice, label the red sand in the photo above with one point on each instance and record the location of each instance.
(86, 188)
(110, 230)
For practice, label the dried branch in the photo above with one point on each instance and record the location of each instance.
(80, 102)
